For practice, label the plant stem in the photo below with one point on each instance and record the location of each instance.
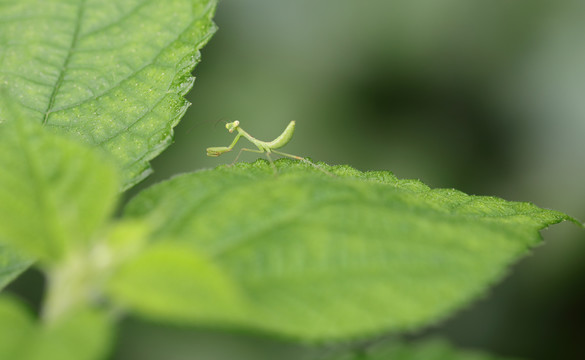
(68, 287)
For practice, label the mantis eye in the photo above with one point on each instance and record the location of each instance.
(232, 126)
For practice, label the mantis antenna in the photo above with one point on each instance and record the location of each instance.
(264, 147)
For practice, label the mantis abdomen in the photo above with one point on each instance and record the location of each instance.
(283, 138)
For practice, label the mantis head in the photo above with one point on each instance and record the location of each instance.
(232, 126)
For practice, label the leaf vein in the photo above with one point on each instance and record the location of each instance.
(126, 128)
(119, 20)
(126, 78)
(22, 77)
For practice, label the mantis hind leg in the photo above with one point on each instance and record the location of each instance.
(272, 164)
(303, 160)
(242, 150)
(257, 152)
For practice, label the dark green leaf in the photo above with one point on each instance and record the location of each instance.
(112, 73)
(11, 265)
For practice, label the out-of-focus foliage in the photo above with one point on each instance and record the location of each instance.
(54, 193)
(81, 336)
(429, 350)
(175, 283)
(11, 264)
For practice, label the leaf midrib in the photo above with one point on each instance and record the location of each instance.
(72, 46)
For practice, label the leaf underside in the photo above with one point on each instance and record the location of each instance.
(318, 257)
(11, 265)
(111, 73)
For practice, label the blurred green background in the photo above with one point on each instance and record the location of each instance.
(484, 96)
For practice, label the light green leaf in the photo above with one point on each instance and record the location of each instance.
(427, 350)
(321, 257)
(112, 73)
(82, 336)
(16, 325)
(173, 281)
(11, 265)
(54, 193)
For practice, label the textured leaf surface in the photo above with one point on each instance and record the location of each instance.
(322, 257)
(110, 72)
(429, 350)
(11, 265)
(54, 193)
(82, 336)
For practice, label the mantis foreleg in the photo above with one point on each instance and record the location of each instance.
(216, 151)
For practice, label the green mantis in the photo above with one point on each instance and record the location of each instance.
(266, 147)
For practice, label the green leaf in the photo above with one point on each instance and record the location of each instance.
(54, 193)
(320, 257)
(172, 281)
(11, 265)
(15, 326)
(82, 336)
(112, 73)
(427, 350)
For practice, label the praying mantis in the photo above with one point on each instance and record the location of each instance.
(264, 147)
